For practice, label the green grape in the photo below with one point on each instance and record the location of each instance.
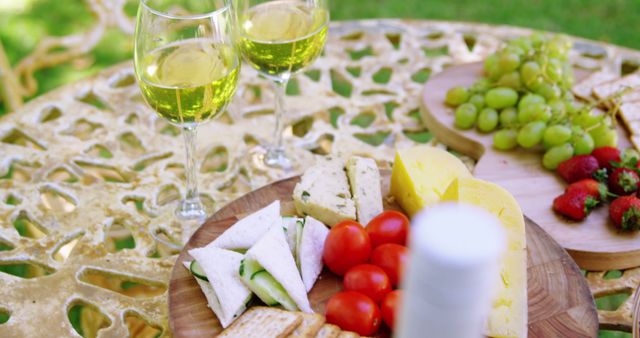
(466, 116)
(573, 106)
(487, 120)
(534, 112)
(538, 39)
(478, 101)
(530, 71)
(457, 96)
(556, 135)
(568, 79)
(523, 43)
(531, 134)
(508, 62)
(553, 70)
(604, 136)
(505, 139)
(558, 108)
(491, 67)
(587, 120)
(508, 117)
(583, 143)
(534, 83)
(501, 97)
(530, 99)
(481, 85)
(559, 47)
(548, 91)
(556, 155)
(511, 80)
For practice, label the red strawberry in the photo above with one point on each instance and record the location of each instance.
(578, 168)
(575, 205)
(606, 155)
(625, 213)
(623, 181)
(592, 187)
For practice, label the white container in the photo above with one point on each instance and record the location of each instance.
(452, 272)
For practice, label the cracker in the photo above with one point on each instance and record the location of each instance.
(328, 331)
(607, 89)
(263, 322)
(584, 88)
(348, 334)
(311, 324)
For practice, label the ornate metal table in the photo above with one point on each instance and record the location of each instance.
(88, 173)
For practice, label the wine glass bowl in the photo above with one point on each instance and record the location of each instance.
(279, 38)
(187, 69)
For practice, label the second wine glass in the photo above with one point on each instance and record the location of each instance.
(280, 38)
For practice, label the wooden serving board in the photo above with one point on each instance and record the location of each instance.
(560, 303)
(593, 243)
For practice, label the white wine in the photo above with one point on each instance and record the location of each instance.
(283, 36)
(189, 81)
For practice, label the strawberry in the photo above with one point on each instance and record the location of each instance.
(593, 188)
(575, 205)
(623, 181)
(625, 213)
(578, 168)
(606, 155)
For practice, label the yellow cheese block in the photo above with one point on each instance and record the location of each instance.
(422, 174)
(508, 317)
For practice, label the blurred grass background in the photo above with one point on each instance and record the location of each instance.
(23, 23)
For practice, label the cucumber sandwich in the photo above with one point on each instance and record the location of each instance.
(247, 231)
(216, 271)
(269, 270)
(306, 237)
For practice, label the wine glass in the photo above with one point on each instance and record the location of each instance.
(280, 38)
(187, 69)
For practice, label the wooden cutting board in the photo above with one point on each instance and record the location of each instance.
(560, 303)
(593, 243)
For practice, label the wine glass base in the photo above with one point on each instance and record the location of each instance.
(277, 158)
(270, 158)
(191, 210)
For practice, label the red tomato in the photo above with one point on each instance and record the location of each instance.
(391, 258)
(389, 227)
(390, 306)
(353, 311)
(369, 280)
(346, 246)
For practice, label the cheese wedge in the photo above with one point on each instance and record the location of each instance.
(422, 174)
(508, 316)
(323, 193)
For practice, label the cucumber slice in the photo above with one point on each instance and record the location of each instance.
(248, 271)
(197, 271)
(264, 283)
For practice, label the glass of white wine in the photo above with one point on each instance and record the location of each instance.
(279, 38)
(187, 68)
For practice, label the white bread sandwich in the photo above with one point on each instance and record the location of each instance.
(247, 231)
(216, 271)
(269, 270)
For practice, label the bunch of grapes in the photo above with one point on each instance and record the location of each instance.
(525, 98)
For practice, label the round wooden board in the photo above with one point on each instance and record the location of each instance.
(593, 243)
(560, 303)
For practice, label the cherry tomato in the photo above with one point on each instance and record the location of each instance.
(353, 311)
(346, 246)
(389, 227)
(391, 258)
(369, 280)
(390, 306)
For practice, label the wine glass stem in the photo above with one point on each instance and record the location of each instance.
(191, 207)
(280, 88)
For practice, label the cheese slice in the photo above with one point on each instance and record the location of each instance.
(323, 193)
(422, 174)
(508, 316)
(364, 178)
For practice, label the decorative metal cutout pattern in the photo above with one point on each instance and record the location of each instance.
(89, 174)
